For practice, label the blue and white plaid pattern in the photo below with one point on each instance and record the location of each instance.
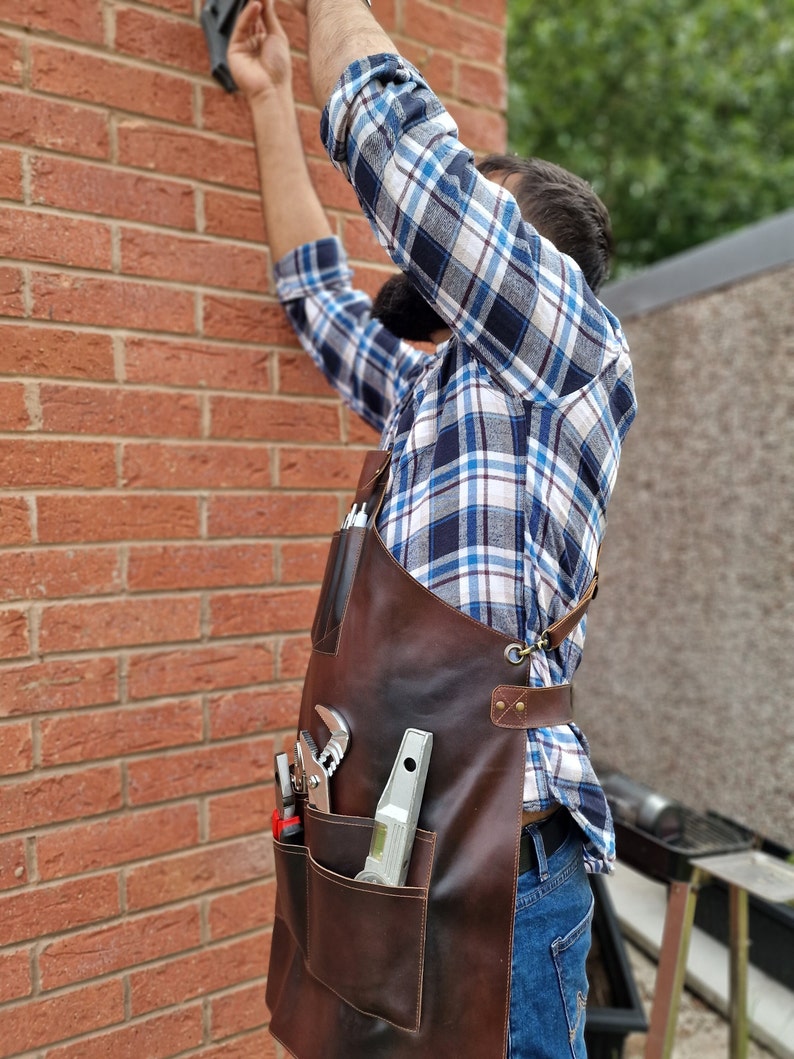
(506, 442)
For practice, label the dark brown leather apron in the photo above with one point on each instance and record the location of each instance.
(361, 971)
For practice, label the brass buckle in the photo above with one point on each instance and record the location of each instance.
(515, 653)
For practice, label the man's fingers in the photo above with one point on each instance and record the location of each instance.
(272, 23)
(246, 22)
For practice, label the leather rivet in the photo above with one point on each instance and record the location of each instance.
(500, 705)
(520, 707)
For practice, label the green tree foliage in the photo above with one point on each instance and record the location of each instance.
(679, 112)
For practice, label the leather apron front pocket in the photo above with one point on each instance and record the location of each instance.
(363, 941)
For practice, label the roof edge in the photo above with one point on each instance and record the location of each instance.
(718, 263)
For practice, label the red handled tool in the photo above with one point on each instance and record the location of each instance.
(287, 825)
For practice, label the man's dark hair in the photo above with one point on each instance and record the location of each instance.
(563, 208)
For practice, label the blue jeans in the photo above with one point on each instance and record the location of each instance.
(554, 913)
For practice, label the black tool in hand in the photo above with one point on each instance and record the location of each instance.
(217, 20)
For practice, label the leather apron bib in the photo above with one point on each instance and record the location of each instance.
(363, 971)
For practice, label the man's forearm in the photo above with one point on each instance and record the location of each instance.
(293, 212)
(340, 31)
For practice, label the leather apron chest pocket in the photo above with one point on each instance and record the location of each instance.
(363, 941)
(340, 569)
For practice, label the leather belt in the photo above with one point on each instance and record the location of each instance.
(553, 831)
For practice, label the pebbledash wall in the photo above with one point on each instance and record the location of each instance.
(170, 468)
(688, 678)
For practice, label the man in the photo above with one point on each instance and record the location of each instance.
(501, 454)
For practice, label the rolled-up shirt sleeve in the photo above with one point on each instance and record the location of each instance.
(522, 307)
(367, 365)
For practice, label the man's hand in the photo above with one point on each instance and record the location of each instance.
(258, 53)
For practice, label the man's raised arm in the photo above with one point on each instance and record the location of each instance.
(340, 31)
(259, 59)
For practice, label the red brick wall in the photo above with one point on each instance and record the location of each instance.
(170, 467)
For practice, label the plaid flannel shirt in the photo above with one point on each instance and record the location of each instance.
(505, 443)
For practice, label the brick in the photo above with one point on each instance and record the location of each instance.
(308, 468)
(206, 466)
(293, 657)
(248, 613)
(16, 749)
(155, 1038)
(235, 215)
(34, 803)
(357, 432)
(110, 83)
(73, 185)
(38, 122)
(199, 669)
(10, 60)
(161, 39)
(135, 940)
(301, 84)
(334, 191)
(483, 86)
(225, 114)
(59, 685)
(197, 872)
(199, 566)
(33, 236)
(179, 7)
(492, 12)
(206, 262)
(69, 409)
(256, 1045)
(245, 812)
(105, 302)
(42, 1021)
(243, 910)
(217, 967)
(245, 320)
(76, 19)
(298, 374)
(36, 350)
(13, 866)
(271, 419)
(455, 33)
(42, 573)
(118, 517)
(117, 840)
(14, 641)
(10, 174)
(14, 414)
(118, 623)
(15, 977)
(242, 1009)
(309, 126)
(250, 711)
(11, 297)
(360, 241)
(42, 910)
(49, 799)
(167, 149)
(303, 562)
(28, 464)
(190, 772)
(483, 131)
(14, 517)
(272, 514)
(82, 736)
(194, 364)
(437, 67)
